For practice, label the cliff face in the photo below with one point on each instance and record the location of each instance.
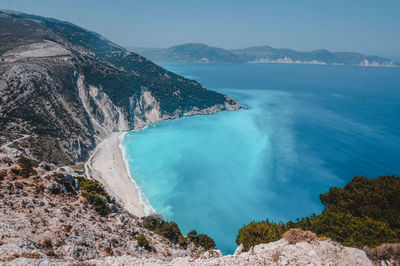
(46, 219)
(46, 215)
(67, 88)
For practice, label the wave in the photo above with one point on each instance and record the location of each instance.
(148, 209)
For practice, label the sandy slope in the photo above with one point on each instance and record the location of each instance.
(107, 165)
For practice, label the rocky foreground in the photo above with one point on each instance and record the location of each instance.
(46, 219)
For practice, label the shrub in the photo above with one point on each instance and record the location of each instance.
(95, 194)
(364, 213)
(352, 231)
(260, 232)
(182, 240)
(377, 198)
(201, 240)
(192, 235)
(27, 166)
(6, 160)
(3, 174)
(60, 178)
(142, 241)
(98, 203)
(67, 228)
(93, 186)
(169, 230)
(205, 241)
(47, 244)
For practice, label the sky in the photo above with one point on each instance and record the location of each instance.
(366, 26)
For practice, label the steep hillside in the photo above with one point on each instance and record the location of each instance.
(66, 88)
(52, 217)
(46, 213)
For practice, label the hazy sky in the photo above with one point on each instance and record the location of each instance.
(367, 26)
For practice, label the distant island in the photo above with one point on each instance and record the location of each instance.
(201, 53)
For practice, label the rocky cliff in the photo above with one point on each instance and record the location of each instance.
(47, 217)
(66, 88)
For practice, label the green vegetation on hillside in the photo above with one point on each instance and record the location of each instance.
(376, 198)
(171, 231)
(26, 166)
(366, 212)
(201, 240)
(95, 194)
(142, 241)
(120, 73)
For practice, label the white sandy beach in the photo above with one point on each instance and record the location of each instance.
(107, 165)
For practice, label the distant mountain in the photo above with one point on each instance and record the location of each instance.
(191, 52)
(260, 54)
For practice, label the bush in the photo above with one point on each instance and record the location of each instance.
(260, 232)
(352, 231)
(142, 241)
(98, 203)
(377, 198)
(169, 230)
(3, 174)
(60, 178)
(47, 244)
(201, 240)
(192, 235)
(364, 213)
(205, 241)
(182, 240)
(27, 166)
(92, 186)
(95, 194)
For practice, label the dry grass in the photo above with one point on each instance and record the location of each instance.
(82, 264)
(385, 252)
(294, 236)
(29, 255)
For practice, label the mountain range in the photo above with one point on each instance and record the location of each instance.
(194, 52)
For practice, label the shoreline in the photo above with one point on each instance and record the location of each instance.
(148, 209)
(108, 165)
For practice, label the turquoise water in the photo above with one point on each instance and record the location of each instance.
(307, 128)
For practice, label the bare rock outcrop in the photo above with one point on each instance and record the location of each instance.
(46, 219)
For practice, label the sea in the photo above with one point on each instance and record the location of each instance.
(305, 129)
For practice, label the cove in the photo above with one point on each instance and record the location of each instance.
(307, 128)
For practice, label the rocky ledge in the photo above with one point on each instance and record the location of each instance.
(49, 216)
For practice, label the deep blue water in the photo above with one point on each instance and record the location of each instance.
(307, 128)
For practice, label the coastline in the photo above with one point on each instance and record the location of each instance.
(148, 209)
(107, 164)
